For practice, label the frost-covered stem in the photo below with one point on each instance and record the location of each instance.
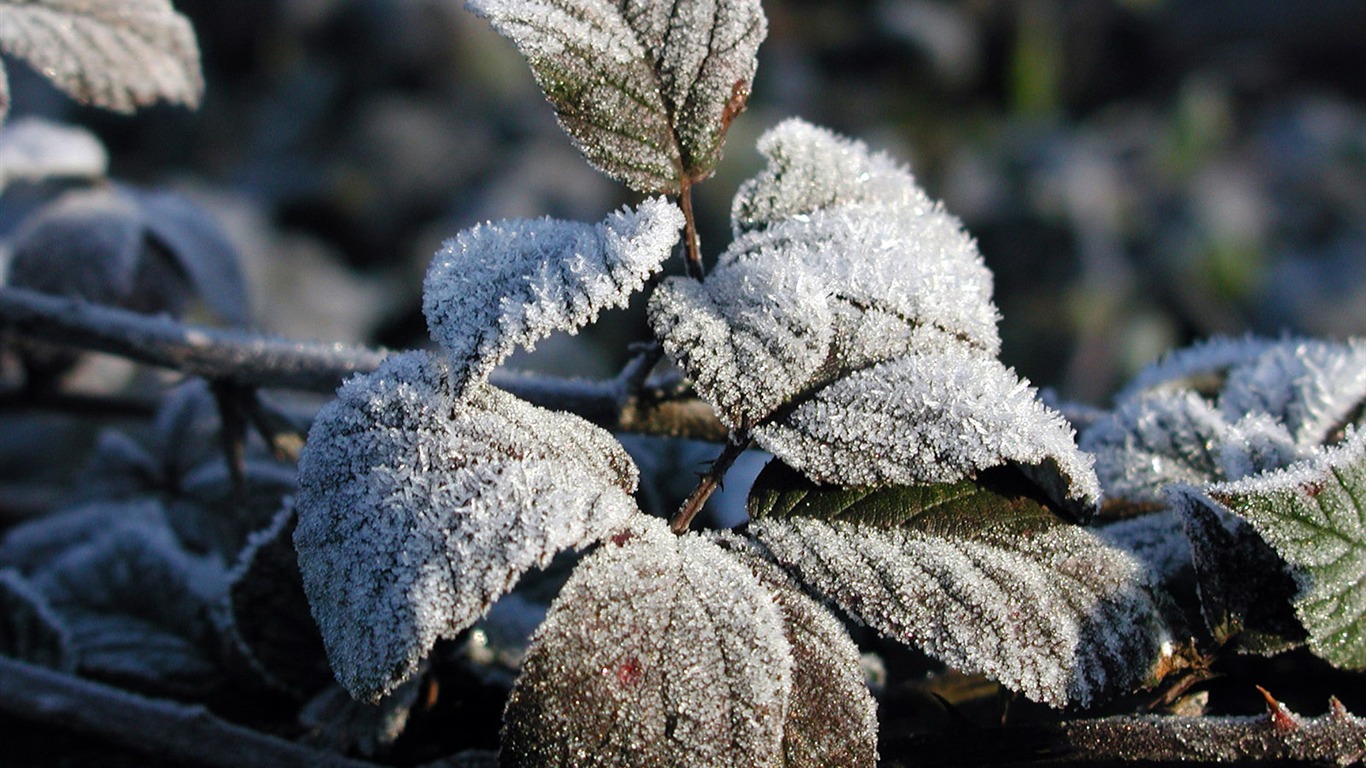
(710, 481)
(690, 241)
(164, 730)
(251, 360)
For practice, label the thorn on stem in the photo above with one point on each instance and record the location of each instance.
(1281, 719)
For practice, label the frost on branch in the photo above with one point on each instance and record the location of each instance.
(978, 575)
(660, 650)
(645, 89)
(1313, 514)
(117, 55)
(417, 511)
(499, 286)
(848, 294)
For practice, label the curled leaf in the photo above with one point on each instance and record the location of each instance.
(418, 510)
(977, 574)
(499, 286)
(660, 651)
(645, 89)
(119, 56)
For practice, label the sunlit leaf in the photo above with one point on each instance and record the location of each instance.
(500, 286)
(1314, 516)
(660, 651)
(645, 89)
(977, 574)
(117, 55)
(417, 511)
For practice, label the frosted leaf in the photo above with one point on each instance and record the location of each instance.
(1157, 539)
(831, 716)
(980, 576)
(661, 650)
(1313, 515)
(417, 511)
(1154, 440)
(30, 547)
(29, 629)
(812, 169)
(136, 606)
(1200, 368)
(1244, 588)
(117, 55)
(499, 286)
(937, 414)
(645, 89)
(340, 724)
(1311, 387)
(265, 613)
(33, 149)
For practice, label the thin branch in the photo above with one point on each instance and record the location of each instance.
(183, 733)
(250, 360)
(709, 483)
(693, 261)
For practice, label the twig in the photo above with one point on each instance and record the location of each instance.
(709, 482)
(184, 733)
(251, 360)
(693, 260)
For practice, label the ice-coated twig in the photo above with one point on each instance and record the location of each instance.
(255, 360)
(184, 734)
(709, 483)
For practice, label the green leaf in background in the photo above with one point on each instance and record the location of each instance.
(646, 89)
(1314, 515)
(978, 574)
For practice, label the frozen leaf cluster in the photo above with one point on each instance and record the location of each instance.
(849, 327)
(977, 574)
(32, 149)
(503, 285)
(645, 89)
(1313, 514)
(116, 54)
(417, 510)
(665, 650)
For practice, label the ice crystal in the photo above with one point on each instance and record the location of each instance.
(1312, 514)
(118, 55)
(979, 576)
(849, 294)
(502, 285)
(660, 651)
(645, 89)
(417, 510)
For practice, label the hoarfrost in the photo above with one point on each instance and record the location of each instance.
(646, 90)
(661, 650)
(499, 286)
(417, 511)
(987, 581)
(848, 293)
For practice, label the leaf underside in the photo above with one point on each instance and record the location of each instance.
(646, 90)
(119, 56)
(978, 574)
(417, 511)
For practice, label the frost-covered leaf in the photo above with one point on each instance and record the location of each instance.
(32, 149)
(660, 651)
(117, 55)
(1244, 587)
(341, 724)
(29, 629)
(1158, 539)
(417, 510)
(979, 575)
(31, 547)
(831, 716)
(266, 612)
(849, 294)
(211, 513)
(499, 286)
(136, 606)
(1155, 440)
(148, 252)
(645, 89)
(1314, 515)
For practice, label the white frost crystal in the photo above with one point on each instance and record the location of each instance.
(661, 650)
(850, 328)
(417, 511)
(507, 284)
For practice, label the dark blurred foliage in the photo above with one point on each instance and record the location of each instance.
(1139, 173)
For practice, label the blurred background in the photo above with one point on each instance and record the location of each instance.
(1139, 173)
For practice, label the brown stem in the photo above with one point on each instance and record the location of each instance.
(710, 481)
(690, 241)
